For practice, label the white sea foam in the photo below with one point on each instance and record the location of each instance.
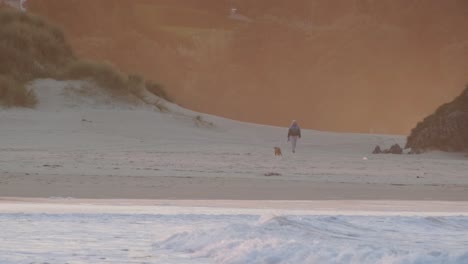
(227, 238)
(329, 239)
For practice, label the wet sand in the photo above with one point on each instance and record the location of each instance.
(222, 188)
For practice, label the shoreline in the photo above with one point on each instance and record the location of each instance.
(219, 188)
(12, 205)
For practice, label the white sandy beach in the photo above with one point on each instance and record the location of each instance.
(83, 145)
(57, 205)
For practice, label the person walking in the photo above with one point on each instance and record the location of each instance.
(294, 133)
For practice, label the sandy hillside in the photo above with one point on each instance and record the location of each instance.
(344, 65)
(88, 144)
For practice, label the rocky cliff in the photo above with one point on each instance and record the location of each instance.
(446, 129)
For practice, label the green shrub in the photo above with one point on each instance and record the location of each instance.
(136, 84)
(104, 74)
(107, 76)
(30, 47)
(157, 89)
(13, 93)
(200, 121)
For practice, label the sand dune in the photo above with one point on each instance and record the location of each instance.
(90, 145)
(361, 66)
(90, 178)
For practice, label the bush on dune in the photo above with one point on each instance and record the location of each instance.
(157, 89)
(32, 48)
(136, 84)
(110, 78)
(12, 93)
(104, 74)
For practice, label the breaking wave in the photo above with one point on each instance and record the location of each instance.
(327, 239)
(231, 238)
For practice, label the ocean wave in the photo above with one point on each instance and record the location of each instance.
(328, 239)
(231, 238)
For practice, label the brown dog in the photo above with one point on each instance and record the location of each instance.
(278, 151)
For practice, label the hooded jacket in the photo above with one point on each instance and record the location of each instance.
(294, 130)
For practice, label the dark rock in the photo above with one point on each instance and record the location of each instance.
(377, 150)
(446, 129)
(415, 151)
(395, 149)
(272, 174)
